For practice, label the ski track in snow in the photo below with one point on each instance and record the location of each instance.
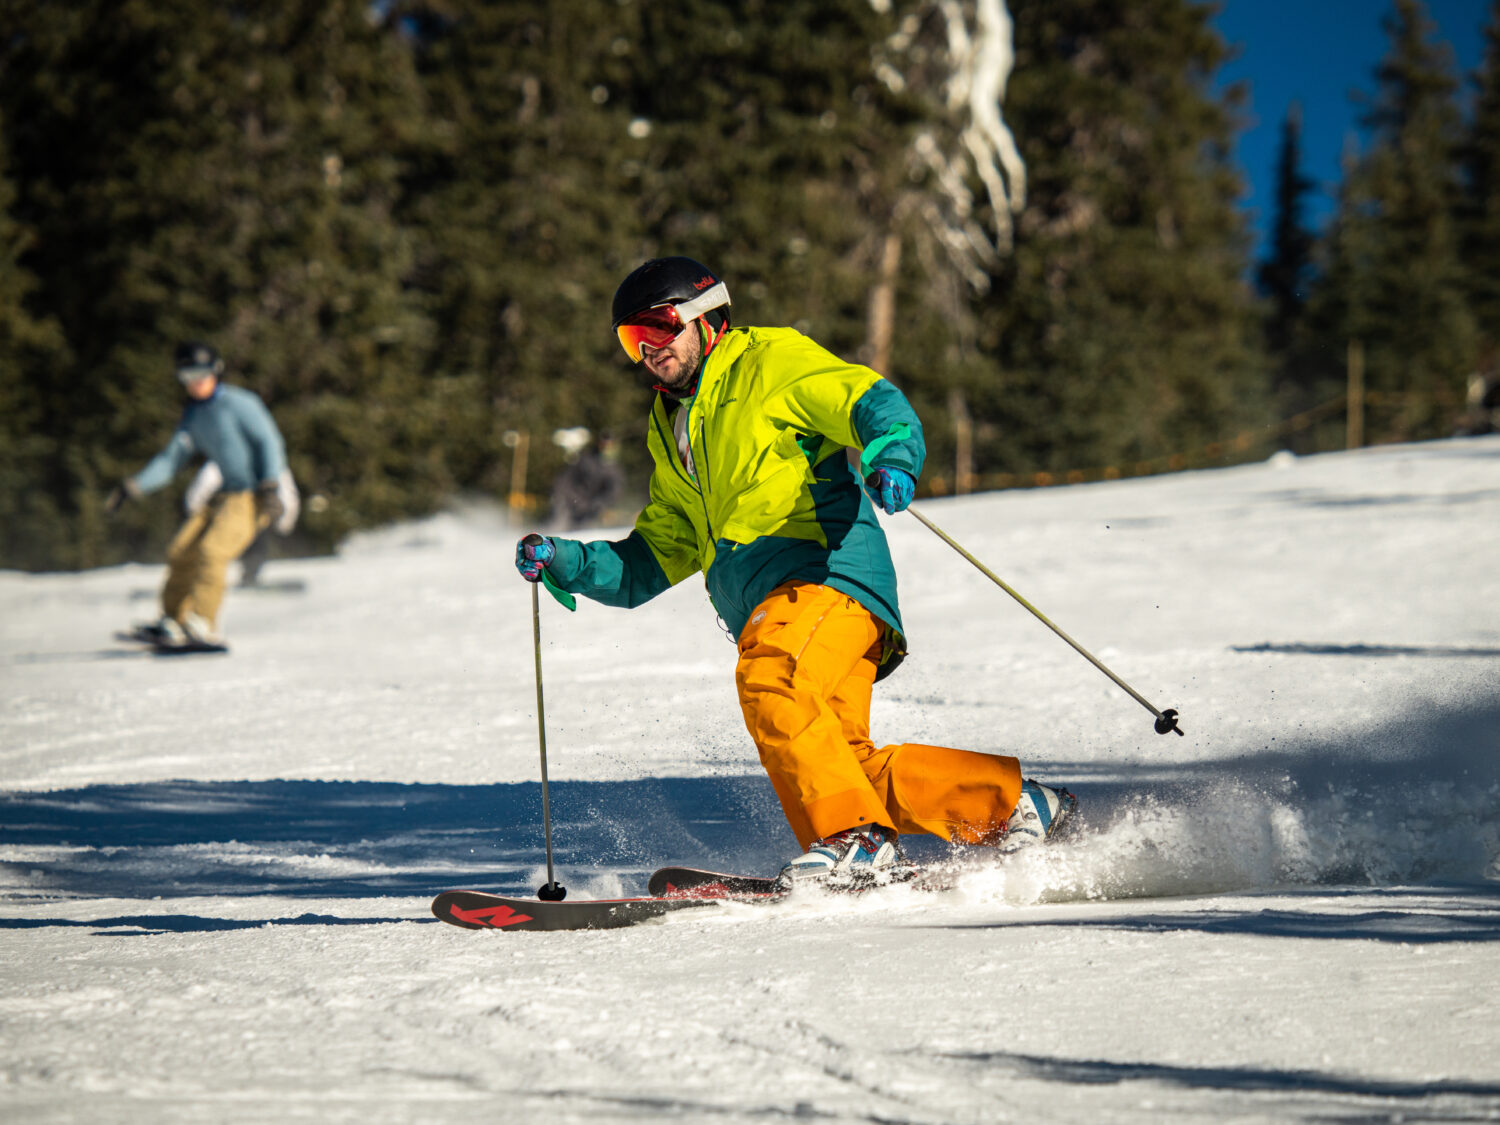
(214, 874)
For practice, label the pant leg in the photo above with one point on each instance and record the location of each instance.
(805, 677)
(182, 567)
(960, 795)
(254, 558)
(232, 524)
(799, 645)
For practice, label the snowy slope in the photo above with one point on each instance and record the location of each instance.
(214, 873)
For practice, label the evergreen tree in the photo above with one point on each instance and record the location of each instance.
(591, 137)
(31, 348)
(233, 175)
(1394, 280)
(402, 223)
(1480, 213)
(1122, 327)
(275, 183)
(1284, 275)
(1339, 310)
(75, 80)
(532, 227)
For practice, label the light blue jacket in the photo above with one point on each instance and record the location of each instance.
(234, 430)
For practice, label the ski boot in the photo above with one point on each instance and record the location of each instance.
(856, 857)
(1039, 814)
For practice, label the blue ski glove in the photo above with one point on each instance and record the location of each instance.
(892, 489)
(532, 556)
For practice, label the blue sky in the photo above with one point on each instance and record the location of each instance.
(1317, 52)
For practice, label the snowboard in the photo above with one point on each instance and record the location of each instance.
(479, 910)
(190, 648)
(260, 586)
(145, 635)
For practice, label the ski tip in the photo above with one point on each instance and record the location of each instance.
(479, 910)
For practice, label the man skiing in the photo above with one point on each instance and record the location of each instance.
(752, 484)
(232, 428)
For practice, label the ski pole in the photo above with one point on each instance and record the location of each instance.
(552, 891)
(1165, 720)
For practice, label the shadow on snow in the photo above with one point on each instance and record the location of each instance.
(1415, 802)
(363, 838)
(1248, 1079)
(1431, 916)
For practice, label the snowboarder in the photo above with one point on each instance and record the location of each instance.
(232, 428)
(753, 485)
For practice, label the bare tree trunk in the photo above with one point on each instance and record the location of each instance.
(1354, 411)
(963, 442)
(882, 320)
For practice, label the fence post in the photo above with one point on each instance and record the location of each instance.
(963, 443)
(1354, 401)
(520, 442)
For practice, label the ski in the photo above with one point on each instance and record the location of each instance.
(479, 910)
(696, 882)
(677, 880)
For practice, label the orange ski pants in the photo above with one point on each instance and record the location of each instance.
(806, 670)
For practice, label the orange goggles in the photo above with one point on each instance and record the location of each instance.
(655, 328)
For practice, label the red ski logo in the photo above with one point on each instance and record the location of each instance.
(704, 284)
(497, 917)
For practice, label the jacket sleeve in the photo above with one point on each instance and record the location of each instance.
(160, 470)
(268, 450)
(658, 554)
(848, 404)
(889, 431)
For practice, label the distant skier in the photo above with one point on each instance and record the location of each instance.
(588, 484)
(1483, 413)
(232, 428)
(753, 486)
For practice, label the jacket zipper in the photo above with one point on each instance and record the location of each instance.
(670, 441)
(703, 472)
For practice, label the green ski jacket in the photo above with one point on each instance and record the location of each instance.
(767, 493)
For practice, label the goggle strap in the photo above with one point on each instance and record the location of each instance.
(710, 298)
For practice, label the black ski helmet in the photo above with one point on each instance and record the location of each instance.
(194, 360)
(694, 288)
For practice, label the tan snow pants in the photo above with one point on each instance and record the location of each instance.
(201, 552)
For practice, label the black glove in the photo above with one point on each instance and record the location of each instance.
(125, 490)
(268, 500)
